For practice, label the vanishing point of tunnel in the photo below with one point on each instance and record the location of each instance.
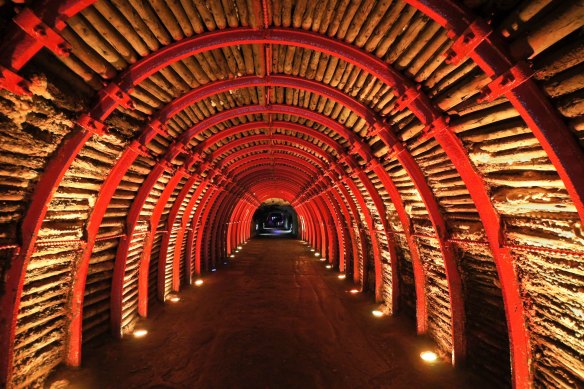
(292, 194)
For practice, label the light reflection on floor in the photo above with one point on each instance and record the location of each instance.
(275, 232)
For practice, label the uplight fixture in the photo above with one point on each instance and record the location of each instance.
(377, 313)
(429, 356)
(140, 333)
(199, 282)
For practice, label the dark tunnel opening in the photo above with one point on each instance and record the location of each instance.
(275, 218)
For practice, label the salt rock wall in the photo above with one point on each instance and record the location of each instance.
(539, 220)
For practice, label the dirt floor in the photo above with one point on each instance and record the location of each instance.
(274, 317)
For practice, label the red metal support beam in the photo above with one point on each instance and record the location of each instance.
(223, 208)
(330, 224)
(31, 224)
(282, 81)
(195, 264)
(507, 274)
(548, 127)
(319, 218)
(341, 232)
(227, 226)
(232, 231)
(350, 221)
(458, 310)
(205, 229)
(313, 227)
(397, 80)
(202, 222)
(176, 282)
(228, 213)
(117, 289)
(491, 54)
(215, 221)
(162, 255)
(417, 178)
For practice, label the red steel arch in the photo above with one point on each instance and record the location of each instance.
(562, 149)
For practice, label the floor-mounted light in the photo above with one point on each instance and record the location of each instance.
(329, 266)
(317, 254)
(239, 247)
(323, 259)
(377, 313)
(354, 291)
(140, 333)
(341, 276)
(429, 356)
(232, 256)
(174, 299)
(312, 250)
(199, 282)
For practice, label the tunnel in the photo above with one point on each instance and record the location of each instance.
(275, 217)
(292, 193)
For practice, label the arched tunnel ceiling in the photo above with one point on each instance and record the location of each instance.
(443, 154)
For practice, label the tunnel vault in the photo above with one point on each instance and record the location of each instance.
(432, 155)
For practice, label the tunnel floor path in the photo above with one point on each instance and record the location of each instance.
(274, 317)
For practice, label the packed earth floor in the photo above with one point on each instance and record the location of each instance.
(273, 317)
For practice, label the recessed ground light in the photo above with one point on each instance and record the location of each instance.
(354, 291)
(232, 256)
(323, 259)
(317, 254)
(199, 282)
(216, 269)
(239, 247)
(429, 356)
(140, 333)
(329, 266)
(311, 249)
(341, 276)
(174, 299)
(377, 313)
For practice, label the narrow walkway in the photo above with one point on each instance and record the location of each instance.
(274, 317)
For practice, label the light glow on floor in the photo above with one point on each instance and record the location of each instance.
(377, 313)
(199, 282)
